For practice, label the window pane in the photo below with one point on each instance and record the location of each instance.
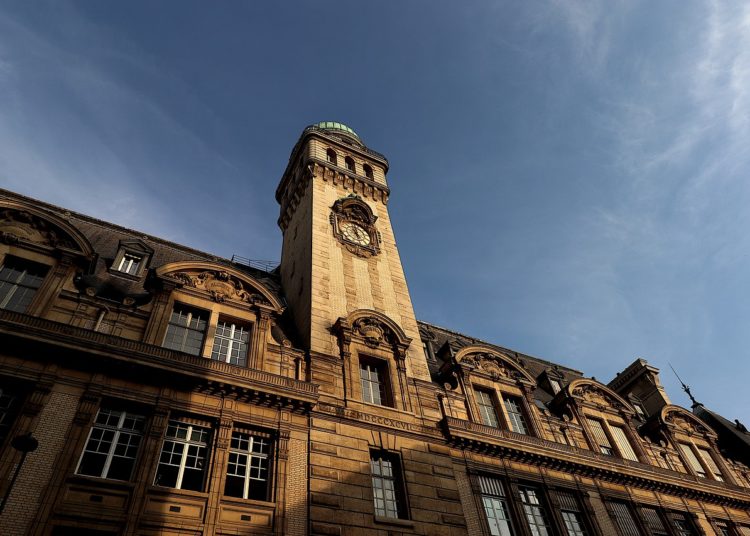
(387, 486)
(374, 377)
(112, 445)
(231, 343)
(536, 517)
(623, 444)
(248, 470)
(487, 411)
(624, 519)
(19, 281)
(182, 462)
(605, 447)
(692, 459)
(515, 414)
(186, 330)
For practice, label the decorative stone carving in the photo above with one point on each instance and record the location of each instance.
(18, 225)
(374, 332)
(594, 395)
(220, 285)
(354, 226)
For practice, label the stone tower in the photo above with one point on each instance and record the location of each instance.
(339, 252)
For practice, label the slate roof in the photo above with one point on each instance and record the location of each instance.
(733, 439)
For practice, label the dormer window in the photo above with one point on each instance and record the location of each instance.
(350, 164)
(554, 385)
(332, 157)
(129, 264)
(132, 258)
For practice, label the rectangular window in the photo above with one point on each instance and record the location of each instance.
(130, 263)
(692, 460)
(516, 418)
(186, 330)
(495, 506)
(554, 385)
(248, 468)
(182, 463)
(600, 436)
(571, 514)
(487, 411)
(711, 463)
(654, 522)
(622, 442)
(9, 403)
(374, 375)
(387, 485)
(535, 514)
(230, 343)
(19, 281)
(681, 525)
(624, 519)
(112, 446)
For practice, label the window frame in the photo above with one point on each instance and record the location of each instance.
(490, 405)
(190, 309)
(118, 430)
(400, 495)
(519, 412)
(385, 389)
(187, 442)
(25, 264)
(247, 479)
(243, 357)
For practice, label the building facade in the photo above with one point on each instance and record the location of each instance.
(172, 392)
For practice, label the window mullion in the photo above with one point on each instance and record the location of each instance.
(183, 458)
(113, 446)
(248, 463)
(13, 288)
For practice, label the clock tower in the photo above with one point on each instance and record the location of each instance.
(339, 260)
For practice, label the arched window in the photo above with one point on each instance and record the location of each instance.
(368, 171)
(332, 157)
(349, 163)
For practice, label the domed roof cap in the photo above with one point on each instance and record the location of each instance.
(335, 125)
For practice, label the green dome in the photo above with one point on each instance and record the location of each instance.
(335, 125)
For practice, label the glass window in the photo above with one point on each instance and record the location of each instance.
(487, 411)
(554, 385)
(9, 403)
(711, 463)
(186, 329)
(387, 485)
(495, 506)
(130, 263)
(374, 378)
(248, 468)
(182, 463)
(722, 529)
(623, 445)
(230, 343)
(19, 281)
(692, 460)
(332, 157)
(654, 522)
(112, 446)
(535, 514)
(624, 519)
(515, 414)
(571, 514)
(349, 164)
(600, 437)
(681, 525)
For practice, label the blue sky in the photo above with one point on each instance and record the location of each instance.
(569, 177)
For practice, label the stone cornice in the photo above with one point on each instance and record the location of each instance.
(238, 381)
(524, 448)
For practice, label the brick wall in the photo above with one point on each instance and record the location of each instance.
(27, 494)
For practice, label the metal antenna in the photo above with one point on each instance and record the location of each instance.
(684, 387)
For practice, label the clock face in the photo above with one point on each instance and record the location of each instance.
(355, 233)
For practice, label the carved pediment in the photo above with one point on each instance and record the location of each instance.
(222, 284)
(21, 224)
(598, 395)
(374, 329)
(682, 420)
(484, 360)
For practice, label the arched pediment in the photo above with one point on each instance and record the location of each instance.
(684, 420)
(30, 224)
(489, 360)
(220, 282)
(355, 209)
(376, 328)
(598, 394)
